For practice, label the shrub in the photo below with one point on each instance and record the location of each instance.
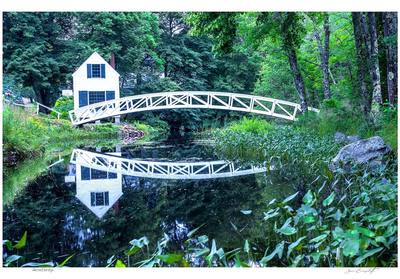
(63, 105)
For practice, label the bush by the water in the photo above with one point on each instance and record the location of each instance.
(26, 135)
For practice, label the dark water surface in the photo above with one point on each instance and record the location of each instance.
(66, 211)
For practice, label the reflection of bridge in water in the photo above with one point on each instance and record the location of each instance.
(98, 176)
(159, 169)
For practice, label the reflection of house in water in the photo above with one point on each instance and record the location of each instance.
(98, 190)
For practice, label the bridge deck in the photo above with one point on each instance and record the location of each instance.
(186, 99)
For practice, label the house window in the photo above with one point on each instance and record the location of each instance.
(96, 71)
(96, 97)
(91, 174)
(99, 198)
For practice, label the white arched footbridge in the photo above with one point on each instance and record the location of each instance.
(186, 99)
(163, 170)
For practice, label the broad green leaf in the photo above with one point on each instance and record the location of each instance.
(308, 219)
(139, 242)
(368, 253)
(338, 233)
(286, 229)
(22, 242)
(119, 263)
(385, 223)
(8, 244)
(246, 212)
(288, 199)
(366, 232)
(170, 258)
(351, 244)
(270, 214)
(294, 245)
(308, 198)
(329, 199)
(319, 238)
(278, 251)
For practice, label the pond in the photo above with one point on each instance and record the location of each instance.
(78, 207)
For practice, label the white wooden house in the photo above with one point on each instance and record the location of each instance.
(95, 81)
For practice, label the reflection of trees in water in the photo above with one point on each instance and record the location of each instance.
(170, 151)
(49, 211)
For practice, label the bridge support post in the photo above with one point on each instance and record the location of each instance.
(117, 120)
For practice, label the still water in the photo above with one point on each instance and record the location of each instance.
(83, 209)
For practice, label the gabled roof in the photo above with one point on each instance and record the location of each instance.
(97, 58)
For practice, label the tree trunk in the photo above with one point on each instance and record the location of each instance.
(362, 59)
(374, 69)
(297, 77)
(390, 32)
(324, 56)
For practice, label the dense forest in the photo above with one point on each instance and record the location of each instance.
(302, 57)
(338, 163)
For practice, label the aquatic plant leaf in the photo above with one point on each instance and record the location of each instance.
(8, 244)
(170, 258)
(369, 253)
(351, 244)
(64, 262)
(366, 232)
(271, 213)
(246, 247)
(319, 238)
(11, 259)
(119, 263)
(246, 212)
(294, 245)
(278, 251)
(192, 232)
(296, 261)
(22, 242)
(288, 199)
(139, 242)
(286, 229)
(308, 198)
(308, 219)
(329, 199)
(201, 252)
(33, 264)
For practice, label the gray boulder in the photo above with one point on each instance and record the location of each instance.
(340, 137)
(369, 151)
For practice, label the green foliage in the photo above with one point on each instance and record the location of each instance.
(254, 126)
(16, 260)
(365, 234)
(63, 105)
(27, 136)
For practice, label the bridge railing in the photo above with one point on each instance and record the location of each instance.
(187, 99)
(163, 170)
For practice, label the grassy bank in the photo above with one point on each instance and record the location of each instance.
(26, 136)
